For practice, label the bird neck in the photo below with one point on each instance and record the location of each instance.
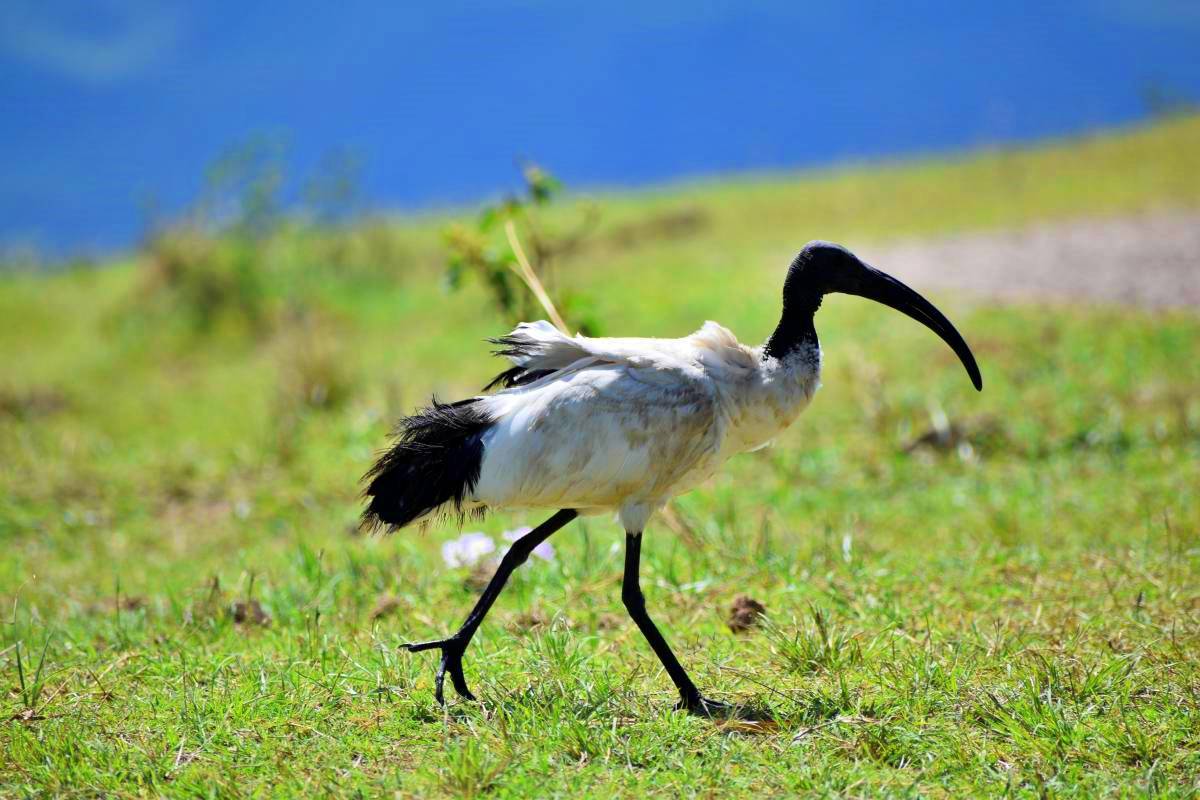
(795, 332)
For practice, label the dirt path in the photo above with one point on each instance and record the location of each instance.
(1149, 260)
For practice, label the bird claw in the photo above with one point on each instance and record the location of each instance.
(752, 719)
(452, 654)
(702, 706)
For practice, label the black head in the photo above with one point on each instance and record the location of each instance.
(817, 270)
(823, 268)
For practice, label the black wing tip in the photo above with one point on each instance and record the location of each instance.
(516, 376)
(511, 347)
(518, 348)
(505, 379)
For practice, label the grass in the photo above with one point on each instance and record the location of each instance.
(187, 610)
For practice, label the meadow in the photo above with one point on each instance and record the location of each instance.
(966, 594)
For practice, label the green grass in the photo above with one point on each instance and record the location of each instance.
(1019, 614)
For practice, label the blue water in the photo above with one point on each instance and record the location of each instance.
(112, 107)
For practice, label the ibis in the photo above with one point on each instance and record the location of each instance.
(618, 425)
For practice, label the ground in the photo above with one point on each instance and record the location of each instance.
(1146, 259)
(965, 593)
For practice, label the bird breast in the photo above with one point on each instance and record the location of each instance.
(765, 403)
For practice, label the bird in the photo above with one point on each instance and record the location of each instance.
(618, 425)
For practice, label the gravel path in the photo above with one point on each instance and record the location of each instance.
(1148, 260)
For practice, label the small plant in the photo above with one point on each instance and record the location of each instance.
(239, 255)
(468, 769)
(315, 372)
(210, 265)
(491, 250)
(204, 279)
(560, 652)
(816, 644)
(31, 690)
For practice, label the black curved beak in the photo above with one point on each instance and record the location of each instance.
(883, 288)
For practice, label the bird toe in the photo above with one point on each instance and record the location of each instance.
(708, 708)
(451, 663)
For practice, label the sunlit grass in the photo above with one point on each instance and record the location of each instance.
(1018, 611)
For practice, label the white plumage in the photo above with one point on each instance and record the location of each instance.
(626, 424)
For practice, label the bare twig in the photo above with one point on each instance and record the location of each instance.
(526, 273)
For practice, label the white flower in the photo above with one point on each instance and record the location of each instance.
(544, 551)
(516, 533)
(467, 550)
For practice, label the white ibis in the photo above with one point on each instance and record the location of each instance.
(591, 426)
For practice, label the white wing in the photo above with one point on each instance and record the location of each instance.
(538, 348)
(601, 432)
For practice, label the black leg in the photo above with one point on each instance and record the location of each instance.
(631, 593)
(454, 646)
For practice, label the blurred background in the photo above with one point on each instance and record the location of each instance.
(112, 110)
(238, 240)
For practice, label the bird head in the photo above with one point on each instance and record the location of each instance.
(823, 268)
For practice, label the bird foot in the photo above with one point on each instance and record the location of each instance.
(452, 649)
(702, 706)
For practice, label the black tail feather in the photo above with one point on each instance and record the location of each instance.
(433, 465)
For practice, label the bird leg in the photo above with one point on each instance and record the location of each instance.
(455, 645)
(690, 698)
